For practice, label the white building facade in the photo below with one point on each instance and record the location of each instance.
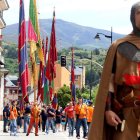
(3, 6)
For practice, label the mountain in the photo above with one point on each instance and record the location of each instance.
(67, 33)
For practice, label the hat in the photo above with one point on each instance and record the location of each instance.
(90, 102)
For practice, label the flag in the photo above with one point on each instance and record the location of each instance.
(22, 53)
(41, 77)
(34, 33)
(55, 101)
(34, 42)
(52, 56)
(46, 82)
(40, 95)
(73, 90)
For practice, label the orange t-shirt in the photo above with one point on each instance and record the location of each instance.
(90, 113)
(13, 113)
(81, 110)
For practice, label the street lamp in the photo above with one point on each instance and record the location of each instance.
(107, 36)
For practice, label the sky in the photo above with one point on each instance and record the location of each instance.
(101, 14)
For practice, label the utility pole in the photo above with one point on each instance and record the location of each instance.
(91, 76)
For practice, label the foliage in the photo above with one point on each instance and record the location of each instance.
(64, 96)
(81, 57)
(11, 65)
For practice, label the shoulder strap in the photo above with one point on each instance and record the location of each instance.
(80, 109)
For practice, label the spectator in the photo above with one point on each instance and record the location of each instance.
(58, 118)
(6, 115)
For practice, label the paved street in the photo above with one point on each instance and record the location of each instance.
(42, 136)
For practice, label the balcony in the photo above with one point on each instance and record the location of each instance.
(1, 60)
(3, 5)
(2, 23)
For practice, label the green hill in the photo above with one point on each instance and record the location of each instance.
(68, 34)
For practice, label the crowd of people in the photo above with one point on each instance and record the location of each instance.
(45, 118)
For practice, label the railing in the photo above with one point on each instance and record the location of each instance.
(1, 61)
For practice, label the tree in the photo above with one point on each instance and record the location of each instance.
(64, 96)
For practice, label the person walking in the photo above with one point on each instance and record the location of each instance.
(58, 113)
(50, 119)
(81, 118)
(34, 120)
(13, 119)
(63, 120)
(90, 110)
(43, 117)
(26, 114)
(71, 118)
(117, 107)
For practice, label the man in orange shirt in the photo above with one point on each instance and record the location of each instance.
(81, 118)
(90, 111)
(35, 112)
(13, 117)
(70, 116)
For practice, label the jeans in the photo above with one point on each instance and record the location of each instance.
(84, 124)
(19, 121)
(26, 123)
(13, 126)
(5, 121)
(50, 123)
(71, 126)
(43, 125)
(88, 124)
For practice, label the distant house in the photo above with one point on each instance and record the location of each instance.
(11, 88)
(79, 72)
(3, 6)
(63, 77)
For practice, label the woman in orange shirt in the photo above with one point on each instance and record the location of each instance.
(13, 117)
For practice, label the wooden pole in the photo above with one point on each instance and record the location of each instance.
(34, 77)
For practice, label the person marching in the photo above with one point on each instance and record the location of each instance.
(71, 118)
(117, 107)
(34, 120)
(13, 118)
(81, 118)
(90, 111)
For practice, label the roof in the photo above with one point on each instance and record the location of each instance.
(10, 81)
(3, 71)
(77, 70)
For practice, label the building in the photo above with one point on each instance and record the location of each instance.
(3, 6)
(11, 89)
(79, 72)
(62, 77)
(79, 76)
